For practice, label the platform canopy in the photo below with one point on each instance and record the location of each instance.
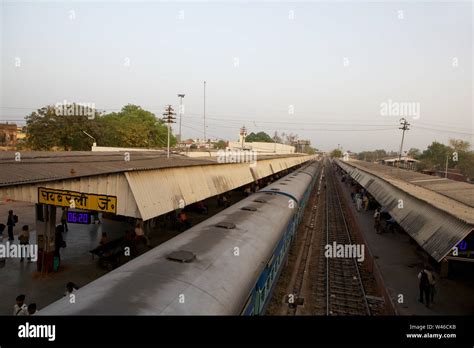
(141, 185)
(437, 221)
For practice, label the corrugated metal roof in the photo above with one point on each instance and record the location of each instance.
(37, 166)
(459, 191)
(159, 191)
(148, 192)
(435, 230)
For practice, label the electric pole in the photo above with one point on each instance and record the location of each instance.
(404, 127)
(205, 139)
(180, 96)
(168, 117)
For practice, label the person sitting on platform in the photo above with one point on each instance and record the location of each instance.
(201, 207)
(32, 309)
(184, 223)
(104, 239)
(140, 234)
(70, 288)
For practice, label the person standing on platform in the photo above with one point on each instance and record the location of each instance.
(10, 223)
(377, 220)
(424, 285)
(58, 244)
(64, 220)
(365, 200)
(24, 239)
(358, 202)
(432, 280)
(20, 308)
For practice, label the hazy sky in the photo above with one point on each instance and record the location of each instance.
(319, 69)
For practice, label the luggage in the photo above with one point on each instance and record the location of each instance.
(56, 263)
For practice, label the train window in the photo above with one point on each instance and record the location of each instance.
(249, 208)
(226, 225)
(181, 256)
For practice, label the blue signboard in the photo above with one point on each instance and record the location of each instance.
(75, 217)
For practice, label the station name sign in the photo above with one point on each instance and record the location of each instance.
(77, 200)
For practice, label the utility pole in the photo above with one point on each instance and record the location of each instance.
(404, 127)
(205, 139)
(446, 171)
(180, 96)
(168, 117)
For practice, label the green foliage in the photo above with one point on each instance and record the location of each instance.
(221, 144)
(414, 153)
(259, 137)
(336, 153)
(46, 130)
(131, 127)
(434, 157)
(372, 156)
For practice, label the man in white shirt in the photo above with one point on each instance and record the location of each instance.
(20, 308)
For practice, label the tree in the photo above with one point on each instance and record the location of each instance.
(259, 137)
(276, 138)
(434, 157)
(221, 144)
(414, 153)
(336, 153)
(46, 129)
(134, 127)
(459, 145)
(291, 138)
(371, 156)
(131, 127)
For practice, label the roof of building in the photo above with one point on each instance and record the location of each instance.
(455, 190)
(437, 213)
(38, 166)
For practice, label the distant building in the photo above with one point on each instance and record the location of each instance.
(302, 146)
(261, 147)
(453, 174)
(405, 162)
(185, 144)
(8, 134)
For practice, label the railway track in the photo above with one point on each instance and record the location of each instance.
(311, 283)
(338, 278)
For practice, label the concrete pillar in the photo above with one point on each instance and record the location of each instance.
(45, 236)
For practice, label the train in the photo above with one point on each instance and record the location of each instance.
(225, 265)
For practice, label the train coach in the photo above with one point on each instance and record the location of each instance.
(226, 265)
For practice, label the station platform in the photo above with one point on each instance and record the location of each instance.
(399, 262)
(77, 264)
